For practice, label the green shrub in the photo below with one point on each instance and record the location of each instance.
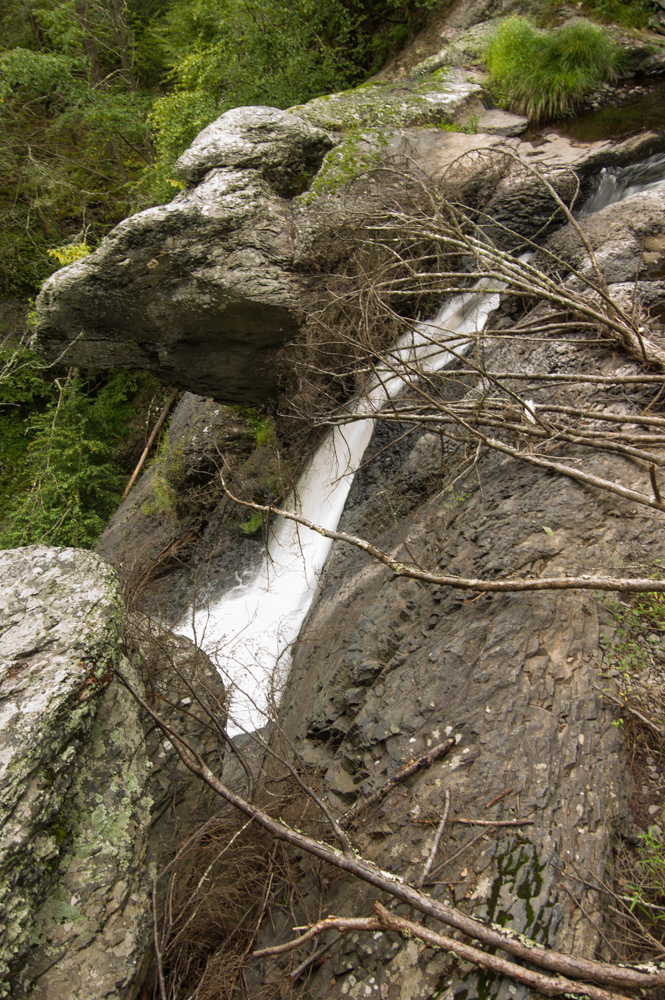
(543, 74)
(59, 482)
(629, 13)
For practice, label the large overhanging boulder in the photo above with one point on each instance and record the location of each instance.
(200, 291)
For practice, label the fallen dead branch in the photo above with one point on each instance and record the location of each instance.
(634, 585)
(587, 970)
(422, 878)
(436, 753)
(387, 921)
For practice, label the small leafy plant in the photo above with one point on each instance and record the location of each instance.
(62, 256)
(649, 895)
(254, 524)
(543, 74)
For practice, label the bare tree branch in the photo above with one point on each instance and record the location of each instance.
(506, 940)
(634, 585)
(422, 878)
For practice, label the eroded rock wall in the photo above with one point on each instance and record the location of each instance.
(386, 668)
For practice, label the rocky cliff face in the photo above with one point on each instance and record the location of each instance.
(86, 793)
(205, 291)
(385, 669)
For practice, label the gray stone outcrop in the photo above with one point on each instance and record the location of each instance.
(200, 291)
(281, 146)
(439, 98)
(73, 815)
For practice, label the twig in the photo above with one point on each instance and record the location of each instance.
(155, 940)
(304, 966)
(329, 924)
(497, 798)
(385, 920)
(629, 708)
(654, 483)
(425, 761)
(549, 985)
(170, 399)
(437, 840)
(494, 822)
(462, 849)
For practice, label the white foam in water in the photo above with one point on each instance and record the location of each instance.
(617, 183)
(250, 629)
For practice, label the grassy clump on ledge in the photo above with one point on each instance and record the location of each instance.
(544, 74)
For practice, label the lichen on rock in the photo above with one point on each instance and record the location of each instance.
(59, 643)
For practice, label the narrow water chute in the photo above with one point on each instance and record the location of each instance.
(250, 629)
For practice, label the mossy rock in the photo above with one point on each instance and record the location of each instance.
(442, 96)
(60, 639)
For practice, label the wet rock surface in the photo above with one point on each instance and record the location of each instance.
(176, 538)
(627, 237)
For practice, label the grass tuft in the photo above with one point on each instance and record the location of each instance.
(544, 74)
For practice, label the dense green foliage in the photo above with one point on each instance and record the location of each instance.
(59, 482)
(105, 94)
(544, 73)
(69, 98)
(628, 13)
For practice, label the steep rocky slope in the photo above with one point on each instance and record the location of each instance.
(385, 668)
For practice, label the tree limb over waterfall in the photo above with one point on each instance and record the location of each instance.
(634, 585)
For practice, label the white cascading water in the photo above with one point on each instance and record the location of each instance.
(249, 630)
(614, 184)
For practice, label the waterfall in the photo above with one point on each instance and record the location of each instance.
(250, 629)
(614, 184)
